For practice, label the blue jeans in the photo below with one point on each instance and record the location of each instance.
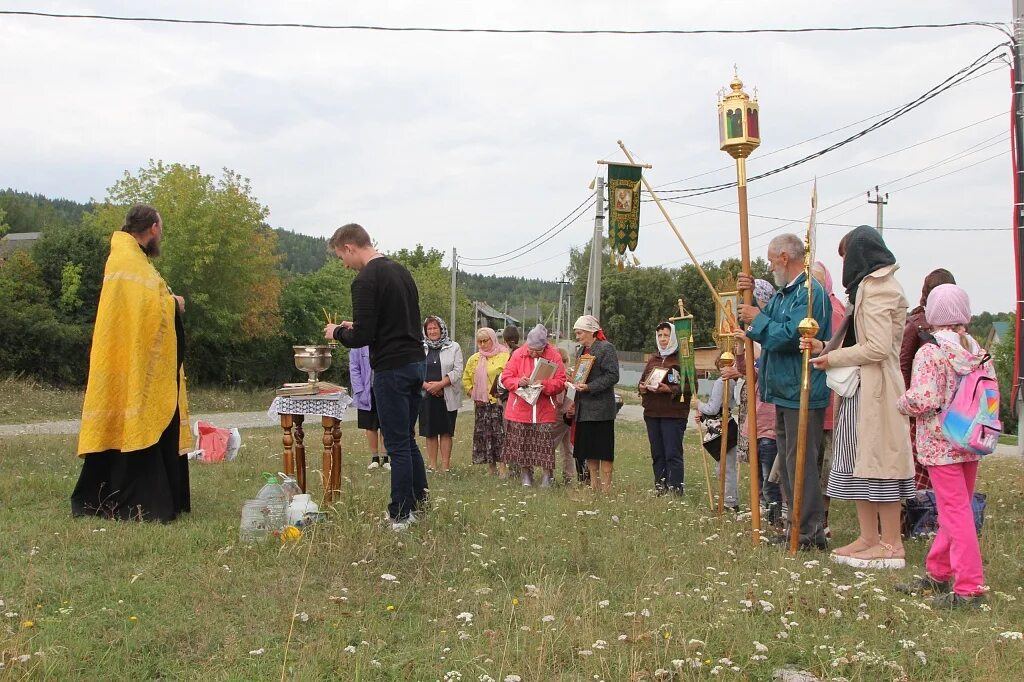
(771, 493)
(666, 436)
(398, 393)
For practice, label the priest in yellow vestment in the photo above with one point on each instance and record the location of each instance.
(135, 427)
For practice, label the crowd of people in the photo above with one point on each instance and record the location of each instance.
(530, 401)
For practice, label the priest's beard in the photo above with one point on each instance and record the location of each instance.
(780, 278)
(152, 248)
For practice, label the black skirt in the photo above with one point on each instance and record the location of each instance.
(144, 485)
(367, 420)
(595, 440)
(435, 419)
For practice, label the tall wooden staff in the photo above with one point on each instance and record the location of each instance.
(726, 359)
(808, 328)
(739, 133)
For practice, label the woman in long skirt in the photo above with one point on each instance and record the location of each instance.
(480, 381)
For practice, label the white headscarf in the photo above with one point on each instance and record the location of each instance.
(673, 342)
(587, 323)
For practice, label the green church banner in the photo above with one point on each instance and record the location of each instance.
(624, 207)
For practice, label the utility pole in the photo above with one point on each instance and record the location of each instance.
(561, 299)
(568, 314)
(455, 267)
(592, 302)
(1018, 215)
(879, 201)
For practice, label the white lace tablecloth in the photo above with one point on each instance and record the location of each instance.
(326, 405)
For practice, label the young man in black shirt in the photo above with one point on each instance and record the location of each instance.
(386, 317)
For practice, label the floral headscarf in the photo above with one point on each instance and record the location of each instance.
(442, 342)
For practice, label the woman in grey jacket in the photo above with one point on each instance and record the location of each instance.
(595, 404)
(442, 391)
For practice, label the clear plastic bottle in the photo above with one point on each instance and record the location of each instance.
(290, 486)
(275, 504)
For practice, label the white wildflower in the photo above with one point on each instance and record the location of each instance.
(258, 652)
(388, 577)
(350, 649)
(548, 619)
(603, 604)
(465, 617)
(1009, 635)
(600, 644)
(760, 648)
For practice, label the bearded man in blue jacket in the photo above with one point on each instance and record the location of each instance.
(775, 328)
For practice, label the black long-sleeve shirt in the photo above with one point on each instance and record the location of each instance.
(385, 315)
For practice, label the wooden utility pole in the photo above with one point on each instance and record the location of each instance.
(1018, 214)
(592, 302)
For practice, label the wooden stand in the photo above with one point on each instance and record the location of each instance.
(295, 453)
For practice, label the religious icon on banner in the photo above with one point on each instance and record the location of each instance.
(624, 213)
(727, 326)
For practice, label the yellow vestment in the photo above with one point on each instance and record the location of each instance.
(133, 386)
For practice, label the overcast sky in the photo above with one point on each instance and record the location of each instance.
(485, 141)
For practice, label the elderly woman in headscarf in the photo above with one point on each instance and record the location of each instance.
(480, 381)
(872, 463)
(532, 409)
(824, 277)
(666, 407)
(442, 391)
(594, 410)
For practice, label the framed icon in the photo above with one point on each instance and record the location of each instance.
(582, 369)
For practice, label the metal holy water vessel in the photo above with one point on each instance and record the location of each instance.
(312, 360)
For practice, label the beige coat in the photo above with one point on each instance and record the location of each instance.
(883, 434)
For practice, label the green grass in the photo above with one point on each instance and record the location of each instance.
(23, 400)
(126, 601)
(1007, 439)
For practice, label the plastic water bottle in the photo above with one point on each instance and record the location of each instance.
(290, 486)
(265, 515)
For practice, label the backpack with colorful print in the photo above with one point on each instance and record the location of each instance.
(972, 421)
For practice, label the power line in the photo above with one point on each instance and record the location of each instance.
(704, 209)
(935, 91)
(858, 195)
(538, 244)
(589, 198)
(508, 31)
(732, 167)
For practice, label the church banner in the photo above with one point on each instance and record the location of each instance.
(624, 207)
(687, 360)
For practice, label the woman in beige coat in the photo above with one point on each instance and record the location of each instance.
(872, 464)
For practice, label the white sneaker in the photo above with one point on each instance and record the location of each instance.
(399, 526)
(387, 466)
(374, 465)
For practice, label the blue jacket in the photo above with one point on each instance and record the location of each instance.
(776, 330)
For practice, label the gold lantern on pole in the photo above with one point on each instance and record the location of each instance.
(739, 133)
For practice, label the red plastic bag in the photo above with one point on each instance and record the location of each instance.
(213, 441)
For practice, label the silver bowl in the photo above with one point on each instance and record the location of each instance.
(312, 360)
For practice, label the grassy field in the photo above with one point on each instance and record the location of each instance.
(24, 401)
(497, 582)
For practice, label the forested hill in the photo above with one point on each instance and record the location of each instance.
(24, 212)
(497, 290)
(302, 253)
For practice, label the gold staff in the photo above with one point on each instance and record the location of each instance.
(740, 134)
(808, 328)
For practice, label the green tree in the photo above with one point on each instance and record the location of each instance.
(4, 227)
(1003, 355)
(83, 248)
(216, 252)
(35, 340)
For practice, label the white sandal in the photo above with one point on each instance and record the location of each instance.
(890, 562)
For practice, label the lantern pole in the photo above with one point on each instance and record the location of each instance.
(739, 135)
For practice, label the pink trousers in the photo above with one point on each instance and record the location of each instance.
(955, 552)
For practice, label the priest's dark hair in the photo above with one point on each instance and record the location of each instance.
(140, 218)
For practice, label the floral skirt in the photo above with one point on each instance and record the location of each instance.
(488, 434)
(529, 445)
